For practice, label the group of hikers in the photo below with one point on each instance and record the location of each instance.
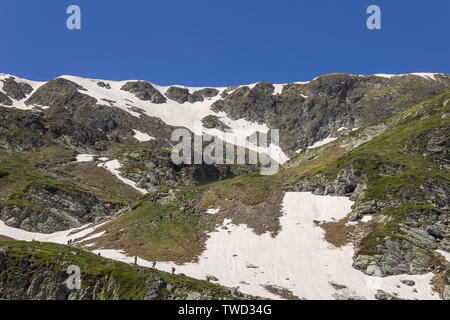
(153, 264)
(161, 218)
(189, 208)
(155, 199)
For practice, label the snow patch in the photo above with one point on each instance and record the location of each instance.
(426, 75)
(94, 236)
(213, 211)
(278, 88)
(85, 158)
(142, 136)
(366, 218)
(322, 142)
(445, 254)
(60, 237)
(113, 166)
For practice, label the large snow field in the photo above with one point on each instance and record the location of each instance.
(298, 258)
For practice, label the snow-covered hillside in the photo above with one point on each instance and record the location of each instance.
(298, 259)
(187, 114)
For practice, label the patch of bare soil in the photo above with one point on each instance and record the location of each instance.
(341, 232)
(439, 282)
(5, 239)
(337, 233)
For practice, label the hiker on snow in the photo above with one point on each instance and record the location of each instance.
(173, 270)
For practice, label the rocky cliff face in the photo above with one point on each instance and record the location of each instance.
(56, 209)
(312, 111)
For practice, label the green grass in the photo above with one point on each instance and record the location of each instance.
(20, 171)
(173, 239)
(130, 279)
(388, 150)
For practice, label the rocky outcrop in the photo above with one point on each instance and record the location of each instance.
(178, 94)
(16, 90)
(310, 112)
(5, 100)
(60, 93)
(202, 94)
(182, 95)
(401, 182)
(29, 130)
(154, 169)
(144, 91)
(104, 85)
(213, 122)
(47, 210)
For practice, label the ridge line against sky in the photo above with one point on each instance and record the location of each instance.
(216, 44)
(427, 75)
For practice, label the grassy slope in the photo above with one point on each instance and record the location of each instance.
(131, 280)
(175, 239)
(21, 170)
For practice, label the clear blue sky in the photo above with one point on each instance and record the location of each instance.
(219, 43)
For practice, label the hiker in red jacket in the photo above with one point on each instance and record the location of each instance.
(173, 270)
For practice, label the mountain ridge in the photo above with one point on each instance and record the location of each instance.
(78, 156)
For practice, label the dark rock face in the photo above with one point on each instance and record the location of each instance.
(104, 85)
(5, 100)
(213, 122)
(182, 95)
(29, 130)
(309, 112)
(153, 170)
(144, 91)
(177, 94)
(56, 210)
(60, 93)
(15, 90)
(200, 95)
